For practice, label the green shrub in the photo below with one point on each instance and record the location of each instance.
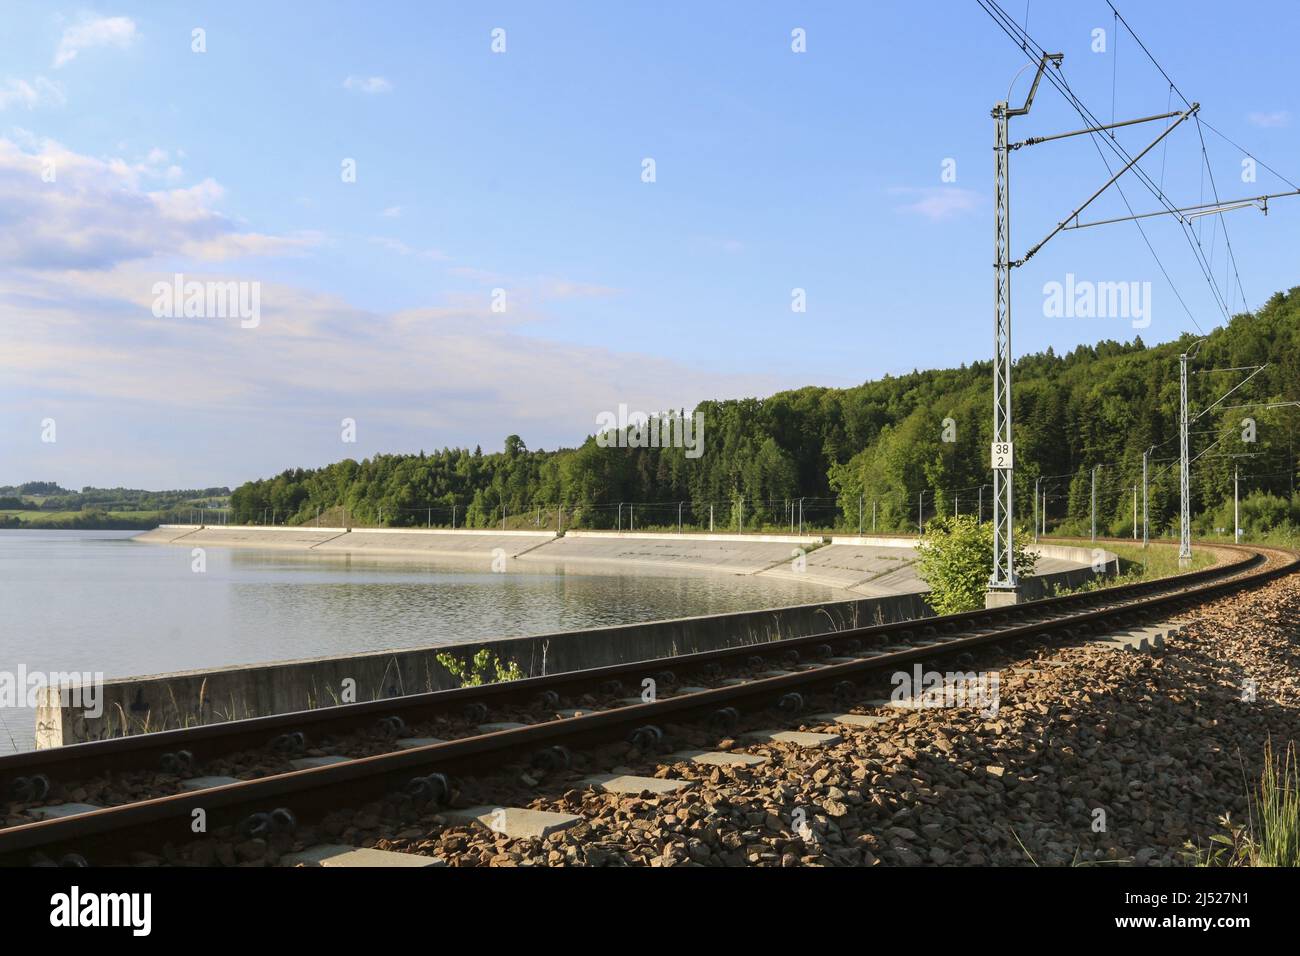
(956, 561)
(484, 668)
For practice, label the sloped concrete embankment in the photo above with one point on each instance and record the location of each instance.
(398, 542)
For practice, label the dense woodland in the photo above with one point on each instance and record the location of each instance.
(881, 443)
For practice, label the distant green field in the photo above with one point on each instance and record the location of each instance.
(107, 509)
(1157, 561)
(78, 520)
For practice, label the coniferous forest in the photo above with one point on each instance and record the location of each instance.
(904, 446)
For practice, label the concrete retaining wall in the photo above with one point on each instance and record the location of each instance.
(878, 566)
(803, 539)
(1074, 554)
(141, 704)
(876, 540)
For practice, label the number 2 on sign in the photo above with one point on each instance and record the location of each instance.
(1003, 455)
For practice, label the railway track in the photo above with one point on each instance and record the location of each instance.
(412, 753)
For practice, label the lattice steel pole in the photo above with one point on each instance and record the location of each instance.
(1004, 570)
(1004, 586)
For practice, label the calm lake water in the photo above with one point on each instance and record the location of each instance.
(97, 601)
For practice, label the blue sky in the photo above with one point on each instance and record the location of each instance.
(522, 171)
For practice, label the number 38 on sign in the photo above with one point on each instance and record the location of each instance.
(1002, 455)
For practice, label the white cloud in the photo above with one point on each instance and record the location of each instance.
(158, 164)
(393, 212)
(1272, 120)
(940, 202)
(243, 245)
(368, 84)
(39, 92)
(91, 31)
(97, 213)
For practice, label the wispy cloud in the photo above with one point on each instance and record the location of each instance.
(368, 84)
(392, 212)
(91, 31)
(475, 274)
(1278, 118)
(39, 92)
(550, 288)
(534, 288)
(402, 249)
(938, 203)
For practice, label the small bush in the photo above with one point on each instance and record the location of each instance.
(484, 668)
(956, 561)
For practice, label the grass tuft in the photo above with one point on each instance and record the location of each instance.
(1271, 835)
